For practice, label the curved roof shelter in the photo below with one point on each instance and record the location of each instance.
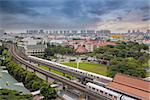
(131, 86)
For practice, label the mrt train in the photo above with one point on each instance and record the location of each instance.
(74, 70)
(112, 95)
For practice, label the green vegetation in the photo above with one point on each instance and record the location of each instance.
(52, 49)
(95, 68)
(29, 79)
(125, 58)
(14, 95)
(148, 74)
(1, 49)
(126, 66)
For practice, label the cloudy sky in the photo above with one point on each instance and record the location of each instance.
(116, 15)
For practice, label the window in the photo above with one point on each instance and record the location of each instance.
(93, 88)
(101, 91)
(115, 97)
(110, 95)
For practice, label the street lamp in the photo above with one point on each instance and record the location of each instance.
(78, 62)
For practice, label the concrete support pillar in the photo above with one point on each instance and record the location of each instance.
(26, 67)
(64, 88)
(46, 79)
(82, 80)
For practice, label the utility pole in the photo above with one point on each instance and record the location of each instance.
(78, 62)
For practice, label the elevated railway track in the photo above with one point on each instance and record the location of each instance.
(62, 79)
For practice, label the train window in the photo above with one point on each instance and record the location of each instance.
(96, 89)
(89, 86)
(101, 91)
(105, 93)
(110, 95)
(93, 88)
(97, 77)
(115, 97)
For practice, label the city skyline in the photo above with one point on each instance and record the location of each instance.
(115, 15)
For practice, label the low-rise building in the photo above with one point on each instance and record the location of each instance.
(35, 50)
(57, 42)
(89, 45)
(81, 49)
(29, 41)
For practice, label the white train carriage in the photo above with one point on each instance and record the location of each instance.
(75, 70)
(124, 97)
(103, 91)
(107, 92)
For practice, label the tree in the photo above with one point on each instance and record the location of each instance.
(48, 93)
(101, 50)
(36, 85)
(30, 80)
(113, 51)
(122, 53)
(127, 66)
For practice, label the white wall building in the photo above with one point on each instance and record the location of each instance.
(35, 50)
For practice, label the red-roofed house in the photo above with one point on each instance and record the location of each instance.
(81, 49)
(89, 44)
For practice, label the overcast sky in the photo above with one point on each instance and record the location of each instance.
(116, 15)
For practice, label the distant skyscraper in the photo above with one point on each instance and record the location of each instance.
(148, 32)
(138, 31)
(133, 31)
(129, 31)
(32, 31)
(41, 31)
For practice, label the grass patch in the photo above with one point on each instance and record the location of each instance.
(91, 67)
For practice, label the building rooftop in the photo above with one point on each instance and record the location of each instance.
(81, 49)
(131, 86)
(41, 46)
